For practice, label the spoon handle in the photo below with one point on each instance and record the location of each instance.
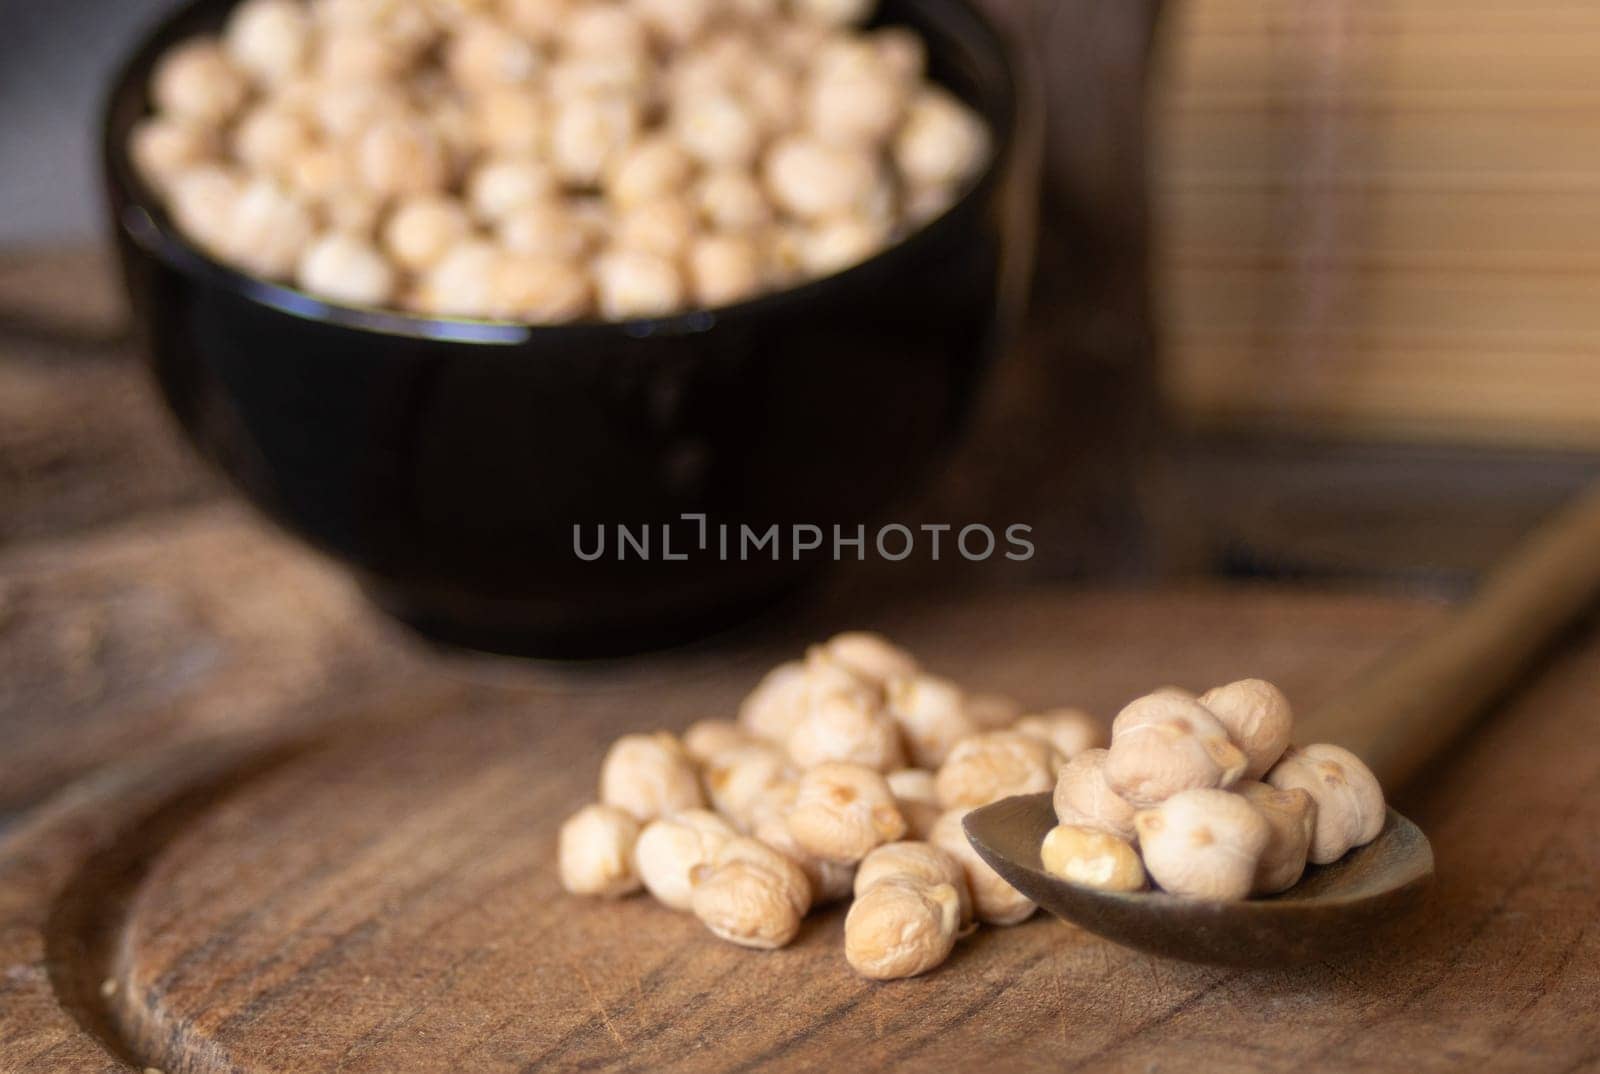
(1408, 707)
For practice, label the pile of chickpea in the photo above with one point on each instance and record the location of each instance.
(847, 774)
(544, 161)
(1206, 797)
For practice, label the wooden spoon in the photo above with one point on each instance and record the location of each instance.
(1397, 718)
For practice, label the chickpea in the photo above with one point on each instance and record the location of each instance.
(847, 726)
(774, 804)
(774, 96)
(932, 716)
(1084, 798)
(813, 180)
(664, 226)
(423, 229)
(1092, 858)
(402, 156)
(1292, 817)
(717, 129)
(1070, 731)
(589, 132)
(481, 55)
(163, 149)
(649, 775)
(826, 676)
(830, 676)
(941, 140)
(723, 269)
(196, 82)
(269, 230)
(355, 57)
(841, 811)
(268, 39)
(670, 848)
(353, 212)
(986, 767)
(626, 158)
(840, 243)
(650, 169)
(830, 880)
(701, 71)
(731, 199)
(994, 901)
(509, 121)
(675, 22)
(921, 862)
(539, 290)
(539, 21)
(297, 93)
(272, 140)
(737, 778)
(545, 229)
(1350, 807)
(346, 112)
(406, 29)
(844, 53)
(596, 852)
(777, 703)
(795, 42)
(498, 188)
(900, 928)
(917, 797)
(636, 283)
(1258, 720)
(751, 895)
(599, 76)
(203, 202)
(706, 738)
(855, 108)
(603, 29)
(1164, 743)
(836, 245)
(732, 50)
(342, 268)
(870, 656)
(462, 282)
(1203, 843)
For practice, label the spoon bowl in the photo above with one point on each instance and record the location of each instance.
(1334, 908)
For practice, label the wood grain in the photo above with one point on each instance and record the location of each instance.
(164, 633)
(83, 441)
(385, 901)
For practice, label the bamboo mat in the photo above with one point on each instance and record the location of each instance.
(1383, 219)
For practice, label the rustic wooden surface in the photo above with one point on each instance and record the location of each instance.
(294, 838)
(384, 900)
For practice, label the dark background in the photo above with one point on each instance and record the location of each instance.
(55, 59)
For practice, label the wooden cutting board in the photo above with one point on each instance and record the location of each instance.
(379, 896)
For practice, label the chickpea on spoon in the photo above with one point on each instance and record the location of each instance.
(1195, 837)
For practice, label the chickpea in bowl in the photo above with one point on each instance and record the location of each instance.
(399, 277)
(546, 161)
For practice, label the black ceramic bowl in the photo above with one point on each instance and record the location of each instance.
(451, 463)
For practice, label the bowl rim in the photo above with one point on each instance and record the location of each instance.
(138, 213)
